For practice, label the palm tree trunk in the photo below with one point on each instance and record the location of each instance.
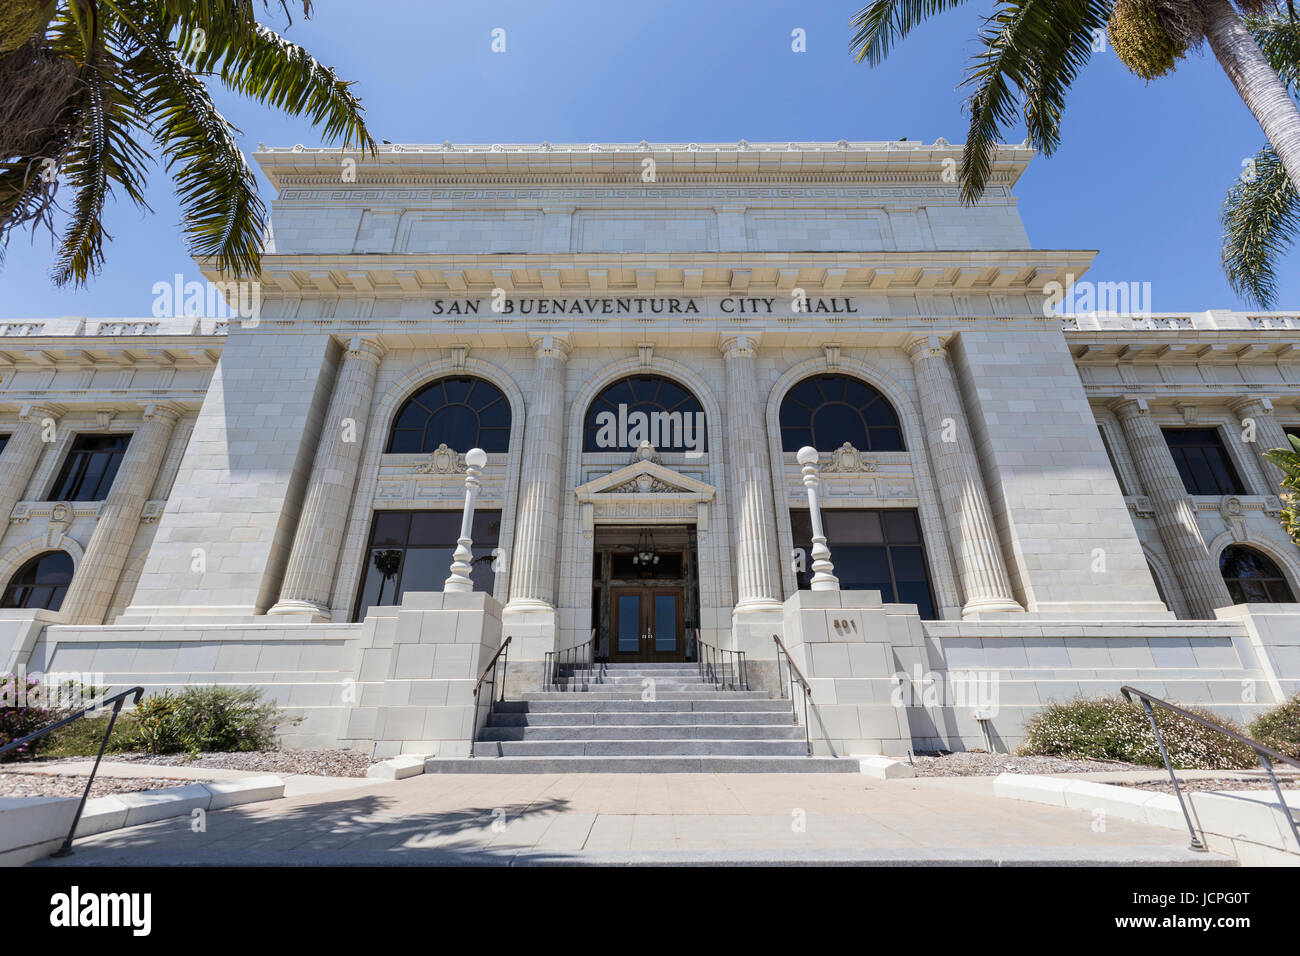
(1256, 82)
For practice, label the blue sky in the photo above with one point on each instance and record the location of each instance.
(1140, 176)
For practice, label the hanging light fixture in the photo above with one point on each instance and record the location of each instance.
(644, 556)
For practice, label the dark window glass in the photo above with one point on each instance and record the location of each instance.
(1253, 578)
(1202, 461)
(461, 413)
(873, 551)
(828, 410)
(4, 440)
(645, 408)
(412, 551)
(41, 583)
(90, 468)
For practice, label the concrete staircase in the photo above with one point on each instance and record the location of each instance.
(688, 726)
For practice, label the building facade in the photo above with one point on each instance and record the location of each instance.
(267, 490)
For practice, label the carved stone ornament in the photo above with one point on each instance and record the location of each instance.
(848, 460)
(443, 461)
(644, 485)
(1230, 506)
(645, 452)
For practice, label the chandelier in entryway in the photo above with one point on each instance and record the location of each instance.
(645, 556)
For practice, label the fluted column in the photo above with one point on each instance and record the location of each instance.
(981, 569)
(91, 593)
(309, 575)
(752, 510)
(23, 452)
(1175, 514)
(1268, 434)
(537, 521)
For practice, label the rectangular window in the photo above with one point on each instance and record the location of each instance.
(1202, 461)
(4, 440)
(412, 551)
(871, 550)
(90, 468)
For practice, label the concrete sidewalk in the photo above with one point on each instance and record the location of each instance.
(733, 819)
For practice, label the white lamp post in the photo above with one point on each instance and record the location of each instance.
(459, 580)
(823, 578)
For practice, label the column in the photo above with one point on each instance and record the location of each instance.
(537, 520)
(1268, 435)
(19, 459)
(91, 592)
(968, 518)
(309, 574)
(753, 513)
(1174, 512)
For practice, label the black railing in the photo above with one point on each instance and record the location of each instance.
(501, 660)
(116, 700)
(1265, 754)
(795, 677)
(574, 667)
(719, 666)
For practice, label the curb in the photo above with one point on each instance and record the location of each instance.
(399, 768)
(883, 768)
(1241, 824)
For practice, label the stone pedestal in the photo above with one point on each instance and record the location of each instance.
(440, 646)
(849, 646)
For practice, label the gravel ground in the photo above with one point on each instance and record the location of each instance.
(316, 763)
(980, 764)
(1215, 783)
(19, 783)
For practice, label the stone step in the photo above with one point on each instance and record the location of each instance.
(767, 731)
(586, 703)
(637, 748)
(627, 718)
(678, 764)
(636, 688)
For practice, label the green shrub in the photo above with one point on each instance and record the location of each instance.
(1109, 728)
(1279, 728)
(200, 719)
(82, 738)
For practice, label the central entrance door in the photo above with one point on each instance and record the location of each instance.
(647, 624)
(645, 593)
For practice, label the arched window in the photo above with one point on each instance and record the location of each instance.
(41, 583)
(826, 411)
(645, 408)
(462, 413)
(1253, 577)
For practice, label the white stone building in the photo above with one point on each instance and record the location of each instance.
(1014, 501)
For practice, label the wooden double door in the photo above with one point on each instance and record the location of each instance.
(647, 623)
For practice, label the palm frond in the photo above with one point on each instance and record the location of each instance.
(103, 154)
(883, 23)
(1033, 51)
(1261, 220)
(224, 216)
(268, 68)
(1279, 40)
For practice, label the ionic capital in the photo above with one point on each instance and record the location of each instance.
(925, 346)
(739, 345)
(365, 349)
(551, 346)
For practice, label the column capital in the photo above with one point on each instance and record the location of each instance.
(1252, 406)
(163, 412)
(925, 346)
(365, 348)
(1129, 406)
(551, 346)
(37, 411)
(738, 344)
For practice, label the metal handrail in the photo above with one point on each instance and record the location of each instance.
(579, 658)
(490, 669)
(804, 685)
(708, 657)
(1265, 754)
(116, 700)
